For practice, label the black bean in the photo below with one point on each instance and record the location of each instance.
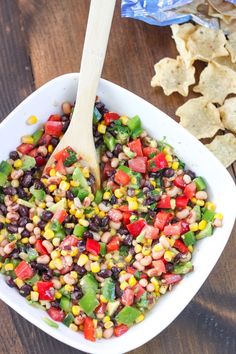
(65, 126)
(168, 172)
(23, 221)
(127, 241)
(42, 268)
(148, 184)
(55, 304)
(73, 219)
(98, 142)
(26, 180)
(54, 141)
(25, 290)
(12, 229)
(105, 273)
(118, 148)
(38, 184)
(177, 258)
(22, 193)
(3, 209)
(156, 174)
(10, 282)
(115, 272)
(190, 173)
(15, 253)
(23, 211)
(1, 225)
(80, 270)
(81, 246)
(25, 233)
(113, 200)
(47, 275)
(118, 290)
(46, 215)
(104, 221)
(41, 224)
(9, 191)
(123, 231)
(68, 230)
(76, 294)
(132, 251)
(109, 154)
(91, 180)
(14, 155)
(69, 195)
(101, 107)
(65, 119)
(169, 267)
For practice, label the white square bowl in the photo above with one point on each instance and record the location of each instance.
(47, 100)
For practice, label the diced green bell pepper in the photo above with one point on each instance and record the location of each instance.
(124, 250)
(65, 304)
(96, 115)
(103, 248)
(128, 315)
(125, 169)
(89, 282)
(72, 158)
(108, 290)
(50, 322)
(189, 238)
(143, 301)
(25, 203)
(32, 254)
(89, 302)
(134, 123)
(5, 168)
(197, 210)
(33, 280)
(200, 183)
(82, 193)
(79, 230)
(183, 268)
(205, 233)
(109, 141)
(61, 205)
(68, 319)
(98, 196)
(28, 162)
(136, 133)
(3, 179)
(128, 152)
(38, 194)
(37, 136)
(79, 177)
(112, 307)
(208, 215)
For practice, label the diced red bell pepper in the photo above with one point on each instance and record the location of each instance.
(136, 227)
(122, 178)
(45, 290)
(60, 167)
(68, 242)
(159, 265)
(33, 153)
(164, 202)
(113, 244)
(151, 232)
(138, 291)
(92, 246)
(25, 148)
(126, 217)
(24, 271)
(107, 170)
(54, 118)
(45, 139)
(121, 329)
(157, 162)
(61, 155)
(162, 218)
(149, 151)
(40, 247)
(138, 164)
(53, 128)
(101, 309)
(115, 215)
(190, 190)
(136, 146)
(123, 208)
(110, 117)
(173, 229)
(180, 246)
(57, 315)
(60, 216)
(127, 298)
(89, 330)
(171, 278)
(181, 201)
(179, 182)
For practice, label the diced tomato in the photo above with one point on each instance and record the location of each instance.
(173, 229)
(131, 270)
(136, 146)
(68, 242)
(110, 117)
(66, 269)
(33, 153)
(179, 182)
(113, 244)
(138, 291)
(92, 246)
(171, 278)
(184, 227)
(53, 128)
(60, 167)
(157, 162)
(101, 309)
(190, 190)
(149, 151)
(89, 330)
(127, 298)
(122, 178)
(25, 148)
(107, 170)
(24, 271)
(56, 314)
(126, 217)
(40, 247)
(136, 227)
(180, 246)
(54, 118)
(151, 232)
(61, 155)
(40, 161)
(138, 164)
(60, 216)
(124, 208)
(181, 201)
(45, 139)
(164, 203)
(121, 329)
(159, 265)
(45, 290)
(162, 218)
(115, 215)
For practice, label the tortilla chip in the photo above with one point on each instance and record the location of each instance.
(231, 46)
(206, 44)
(214, 13)
(226, 61)
(193, 7)
(216, 82)
(223, 7)
(180, 34)
(228, 114)
(200, 117)
(173, 76)
(228, 27)
(224, 148)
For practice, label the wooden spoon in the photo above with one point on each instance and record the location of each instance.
(79, 135)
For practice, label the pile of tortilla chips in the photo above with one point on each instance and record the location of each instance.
(204, 116)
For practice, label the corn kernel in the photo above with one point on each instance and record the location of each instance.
(52, 172)
(25, 240)
(193, 227)
(84, 222)
(56, 241)
(140, 318)
(124, 119)
(19, 283)
(50, 149)
(107, 195)
(92, 257)
(83, 259)
(218, 216)
(113, 232)
(95, 267)
(153, 183)
(34, 296)
(74, 252)
(146, 251)
(85, 172)
(103, 299)
(8, 267)
(1, 265)
(202, 225)
(45, 181)
(167, 150)
(42, 205)
(171, 241)
(58, 263)
(210, 206)
(18, 163)
(31, 120)
(27, 139)
(78, 214)
(73, 327)
(133, 204)
(55, 254)
(74, 274)
(72, 211)
(58, 295)
(98, 333)
(128, 258)
(106, 319)
(200, 202)
(118, 193)
(95, 323)
(158, 247)
(52, 188)
(190, 248)
(64, 186)
(69, 288)
(169, 256)
(138, 248)
(64, 252)
(102, 128)
(175, 165)
(132, 281)
(108, 324)
(36, 219)
(48, 234)
(101, 214)
(194, 200)
(52, 265)
(124, 285)
(74, 183)
(169, 158)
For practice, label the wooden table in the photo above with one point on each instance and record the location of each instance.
(41, 39)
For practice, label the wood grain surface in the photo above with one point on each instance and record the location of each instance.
(41, 39)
